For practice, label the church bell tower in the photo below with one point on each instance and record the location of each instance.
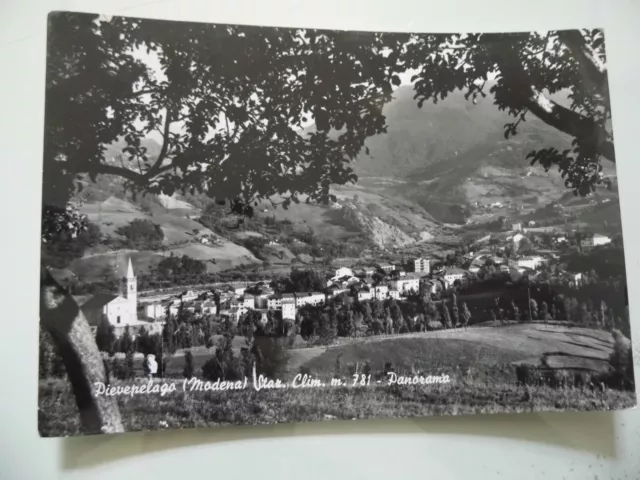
(130, 285)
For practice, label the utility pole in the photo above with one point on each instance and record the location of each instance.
(529, 301)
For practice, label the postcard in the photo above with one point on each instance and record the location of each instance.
(255, 225)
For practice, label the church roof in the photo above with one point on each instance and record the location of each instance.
(130, 270)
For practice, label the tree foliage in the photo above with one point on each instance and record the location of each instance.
(239, 119)
(523, 72)
(142, 234)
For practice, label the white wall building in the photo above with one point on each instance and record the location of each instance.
(154, 310)
(120, 310)
(406, 284)
(364, 294)
(309, 298)
(532, 262)
(422, 265)
(343, 272)
(595, 240)
(453, 274)
(289, 308)
(394, 293)
(380, 292)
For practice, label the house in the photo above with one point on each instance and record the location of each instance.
(154, 310)
(334, 290)
(345, 281)
(288, 308)
(121, 310)
(451, 274)
(209, 307)
(380, 291)
(422, 264)
(364, 294)
(188, 296)
(516, 227)
(561, 239)
(530, 262)
(474, 268)
(386, 267)
(309, 298)
(532, 223)
(248, 302)
(407, 283)
(239, 290)
(343, 272)
(274, 302)
(394, 293)
(595, 240)
(504, 268)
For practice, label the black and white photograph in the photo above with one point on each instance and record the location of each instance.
(247, 225)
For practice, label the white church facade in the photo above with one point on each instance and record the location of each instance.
(120, 309)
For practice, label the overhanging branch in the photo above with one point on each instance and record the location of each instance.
(570, 122)
(592, 67)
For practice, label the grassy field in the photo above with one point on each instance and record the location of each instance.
(480, 361)
(58, 416)
(486, 354)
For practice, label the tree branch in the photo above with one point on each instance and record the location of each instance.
(165, 145)
(137, 178)
(590, 63)
(570, 122)
(525, 95)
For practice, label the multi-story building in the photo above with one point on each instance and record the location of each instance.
(343, 272)
(274, 302)
(364, 294)
(288, 308)
(309, 298)
(386, 267)
(422, 265)
(406, 284)
(451, 274)
(381, 292)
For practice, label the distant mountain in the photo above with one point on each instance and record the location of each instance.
(448, 155)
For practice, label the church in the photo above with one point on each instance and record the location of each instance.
(120, 309)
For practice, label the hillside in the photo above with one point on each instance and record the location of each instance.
(449, 155)
(180, 239)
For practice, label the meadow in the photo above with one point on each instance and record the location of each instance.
(58, 416)
(480, 362)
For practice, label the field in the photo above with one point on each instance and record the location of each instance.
(480, 362)
(58, 416)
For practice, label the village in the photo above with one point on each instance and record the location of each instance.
(381, 281)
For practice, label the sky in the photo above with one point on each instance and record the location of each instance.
(151, 59)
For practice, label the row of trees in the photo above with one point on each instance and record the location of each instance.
(344, 317)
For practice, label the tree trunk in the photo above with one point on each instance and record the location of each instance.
(61, 316)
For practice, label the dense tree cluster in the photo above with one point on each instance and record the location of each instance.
(142, 234)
